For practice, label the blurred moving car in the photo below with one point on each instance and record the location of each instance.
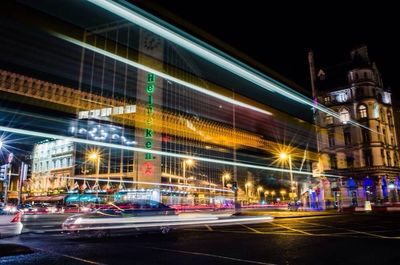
(122, 215)
(10, 223)
(74, 208)
(138, 208)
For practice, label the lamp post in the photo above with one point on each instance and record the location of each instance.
(285, 156)
(259, 190)
(273, 195)
(247, 186)
(225, 176)
(186, 162)
(266, 193)
(283, 192)
(95, 157)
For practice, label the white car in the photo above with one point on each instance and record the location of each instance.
(10, 224)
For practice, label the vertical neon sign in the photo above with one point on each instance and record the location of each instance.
(149, 133)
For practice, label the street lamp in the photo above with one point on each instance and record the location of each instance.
(266, 193)
(259, 190)
(247, 186)
(283, 192)
(95, 157)
(285, 156)
(273, 195)
(225, 176)
(186, 162)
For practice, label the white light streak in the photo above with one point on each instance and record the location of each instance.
(222, 60)
(156, 152)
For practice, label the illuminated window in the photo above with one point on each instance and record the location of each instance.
(130, 109)
(329, 120)
(344, 115)
(342, 97)
(362, 111)
(327, 100)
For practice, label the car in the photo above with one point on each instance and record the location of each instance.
(122, 216)
(10, 223)
(75, 208)
(138, 208)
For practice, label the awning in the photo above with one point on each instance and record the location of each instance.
(45, 198)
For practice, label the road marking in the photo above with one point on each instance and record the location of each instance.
(211, 255)
(349, 230)
(251, 229)
(209, 228)
(83, 260)
(292, 229)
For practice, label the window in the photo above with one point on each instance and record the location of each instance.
(389, 117)
(331, 138)
(378, 130)
(333, 161)
(350, 161)
(344, 115)
(327, 99)
(383, 157)
(329, 120)
(362, 111)
(365, 136)
(342, 97)
(367, 158)
(389, 158)
(384, 136)
(347, 136)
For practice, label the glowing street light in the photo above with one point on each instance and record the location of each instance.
(225, 176)
(287, 156)
(283, 192)
(95, 157)
(259, 190)
(247, 186)
(273, 195)
(1, 143)
(189, 163)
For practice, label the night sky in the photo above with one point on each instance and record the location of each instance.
(280, 35)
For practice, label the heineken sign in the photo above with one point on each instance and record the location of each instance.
(148, 132)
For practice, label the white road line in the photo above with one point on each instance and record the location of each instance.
(292, 229)
(209, 228)
(251, 229)
(349, 230)
(211, 255)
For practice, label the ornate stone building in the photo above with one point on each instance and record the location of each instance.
(364, 155)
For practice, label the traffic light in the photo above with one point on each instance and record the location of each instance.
(234, 185)
(3, 172)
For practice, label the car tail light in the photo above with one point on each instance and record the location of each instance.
(17, 218)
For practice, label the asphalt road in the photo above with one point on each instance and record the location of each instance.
(337, 239)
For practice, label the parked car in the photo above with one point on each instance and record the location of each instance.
(10, 223)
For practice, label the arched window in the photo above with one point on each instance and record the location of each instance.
(362, 111)
(344, 115)
(389, 117)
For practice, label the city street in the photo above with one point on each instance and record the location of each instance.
(333, 239)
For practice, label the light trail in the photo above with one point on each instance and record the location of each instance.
(158, 73)
(156, 152)
(150, 183)
(214, 56)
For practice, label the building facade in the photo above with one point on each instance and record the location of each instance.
(365, 156)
